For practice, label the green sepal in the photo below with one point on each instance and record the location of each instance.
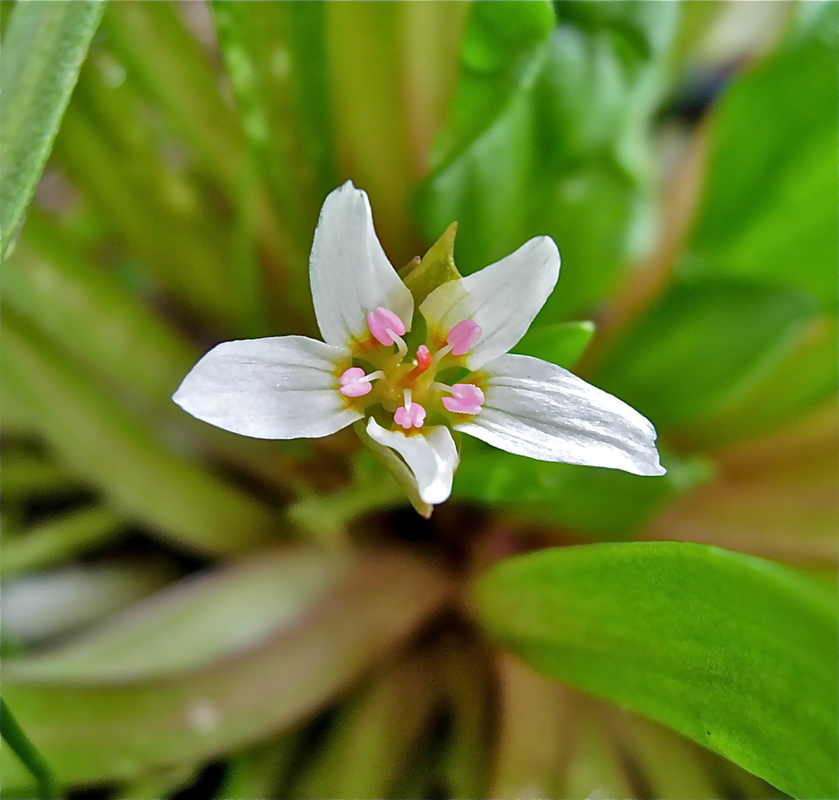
(434, 269)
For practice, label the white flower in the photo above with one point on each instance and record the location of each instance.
(292, 386)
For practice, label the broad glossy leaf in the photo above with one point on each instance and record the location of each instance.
(132, 727)
(735, 652)
(43, 49)
(502, 49)
(678, 769)
(556, 161)
(769, 203)
(702, 347)
(561, 343)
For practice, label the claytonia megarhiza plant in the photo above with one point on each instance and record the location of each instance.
(460, 378)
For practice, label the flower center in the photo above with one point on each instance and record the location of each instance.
(411, 389)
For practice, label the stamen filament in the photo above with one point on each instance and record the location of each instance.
(440, 355)
(407, 395)
(401, 347)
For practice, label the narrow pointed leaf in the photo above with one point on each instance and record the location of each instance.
(43, 50)
(141, 475)
(20, 745)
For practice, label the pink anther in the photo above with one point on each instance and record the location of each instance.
(423, 357)
(463, 336)
(354, 383)
(467, 399)
(411, 417)
(382, 323)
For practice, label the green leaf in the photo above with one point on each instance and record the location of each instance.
(17, 740)
(43, 50)
(52, 285)
(768, 210)
(561, 343)
(142, 477)
(57, 287)
(134, 726)
(56, 539)
(180, 76)
(735, 652)
(566, 154)
(702, 347)
(571, 496)
(500, 56)
(376, 732)
(800, 379)
(195, 623)
(276, 59)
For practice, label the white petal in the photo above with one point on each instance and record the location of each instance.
(282, 387)
(349, 271)
(431, 456)
(539, 410)
(502, 298)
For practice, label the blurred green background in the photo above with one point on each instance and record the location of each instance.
(190, 614)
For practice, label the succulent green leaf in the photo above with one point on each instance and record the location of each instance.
(735, 652)
(561, 343)
(500, 56)
(768, 211)
(702, 347)
(564, 152)
(43, 49)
